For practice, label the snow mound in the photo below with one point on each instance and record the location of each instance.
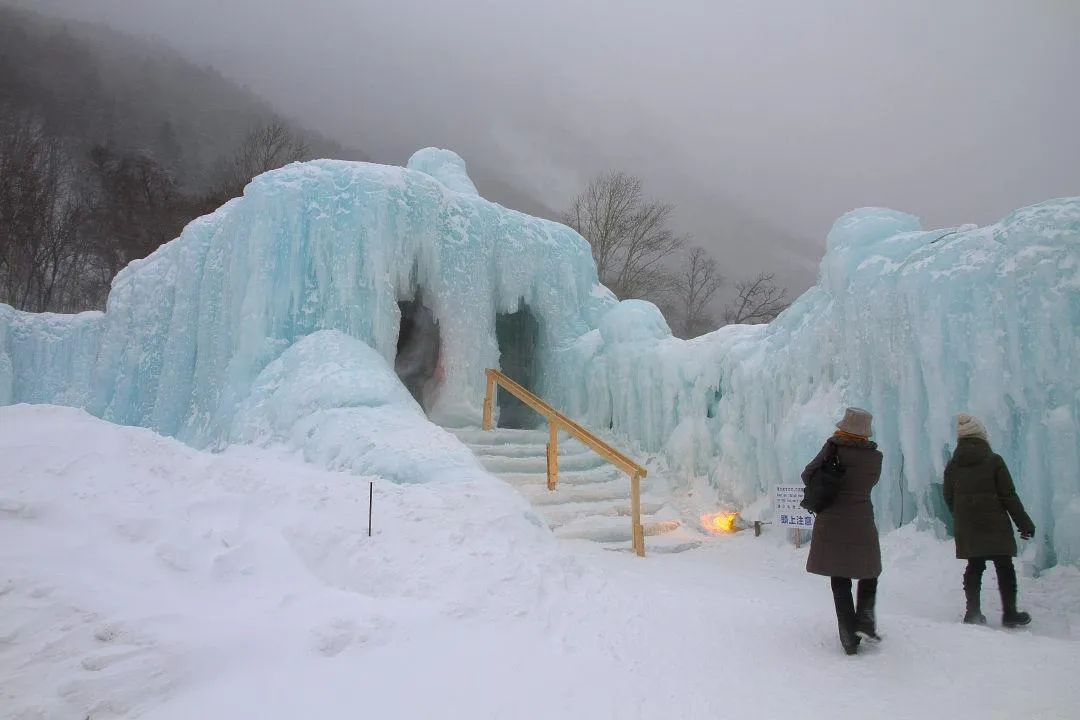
(134, 566)
(140, 578)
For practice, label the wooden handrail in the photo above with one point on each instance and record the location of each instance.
(557, 420)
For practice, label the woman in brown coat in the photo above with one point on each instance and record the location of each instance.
(844, 545)
(980, 493)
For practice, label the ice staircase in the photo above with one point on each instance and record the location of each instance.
(592, 498)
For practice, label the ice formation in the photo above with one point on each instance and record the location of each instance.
(335, 400)
(916, 326)
(325, 245)
(282, 316)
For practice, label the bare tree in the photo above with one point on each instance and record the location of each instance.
(629, 235)
(266, 147)
(39, 216)
(757, 301)
(696, 285)
(135, 206)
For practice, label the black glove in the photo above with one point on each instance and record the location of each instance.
(1027, 533)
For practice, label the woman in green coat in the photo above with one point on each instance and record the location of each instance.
(980, 493)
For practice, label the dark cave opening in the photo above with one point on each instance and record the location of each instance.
(517, 334)
(418, 346)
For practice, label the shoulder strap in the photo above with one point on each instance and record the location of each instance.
(834, 453)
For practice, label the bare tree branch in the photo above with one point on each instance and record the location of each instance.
(695, 288)
(266, 147)
(629, 235)
(757, 301)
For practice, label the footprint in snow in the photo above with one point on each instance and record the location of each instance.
(95, 662)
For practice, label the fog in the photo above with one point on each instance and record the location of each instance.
(761, 120)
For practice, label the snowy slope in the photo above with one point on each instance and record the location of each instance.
(142, 578)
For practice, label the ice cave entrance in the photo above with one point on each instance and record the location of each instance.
(516, 334)
(417, 359)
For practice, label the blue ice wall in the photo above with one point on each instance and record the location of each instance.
(48, 358)
(324, 245)
(916, 326)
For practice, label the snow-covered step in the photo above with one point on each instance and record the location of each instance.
(611, 493)
(588, 503)
(568, 478)
(516, 450)
(592, 498)
(612, 529)
(538, 464)
(501, 436)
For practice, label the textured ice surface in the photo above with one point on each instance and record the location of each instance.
(313, 246)
(338, 402)
(219, 336)
(916, 326)
(445, 166)
(47, 358)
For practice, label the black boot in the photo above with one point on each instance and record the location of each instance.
(845, 615)
(973, 615)
(1010, 616)
(973, 592)
(865, 622)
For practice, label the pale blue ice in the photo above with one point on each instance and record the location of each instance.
(276, 319)
(915, 326)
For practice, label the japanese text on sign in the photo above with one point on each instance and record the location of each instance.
(787, 507)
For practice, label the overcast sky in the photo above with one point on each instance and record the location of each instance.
(756, 117)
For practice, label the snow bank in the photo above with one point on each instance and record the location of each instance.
(916, 326)
(140, 578)
(134, 566)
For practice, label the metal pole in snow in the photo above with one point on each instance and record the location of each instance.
(370, 497)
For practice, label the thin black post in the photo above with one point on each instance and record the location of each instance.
(370, 497)
(757, 528)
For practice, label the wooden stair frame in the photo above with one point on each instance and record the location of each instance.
(556, 421)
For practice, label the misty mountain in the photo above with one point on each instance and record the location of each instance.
(90, 85)
(93, 83)
(493, 186)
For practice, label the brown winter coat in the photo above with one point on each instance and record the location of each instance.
(979, 491)
(845, 537)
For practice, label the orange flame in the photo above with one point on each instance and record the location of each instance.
(719, 522)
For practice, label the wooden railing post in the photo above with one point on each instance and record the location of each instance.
(637, 531)
(552, 454)
(489, 399)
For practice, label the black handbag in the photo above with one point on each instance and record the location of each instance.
(825, 483)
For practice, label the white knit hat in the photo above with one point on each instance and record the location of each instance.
(969, 426)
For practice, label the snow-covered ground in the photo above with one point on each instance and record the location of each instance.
(142, 578)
